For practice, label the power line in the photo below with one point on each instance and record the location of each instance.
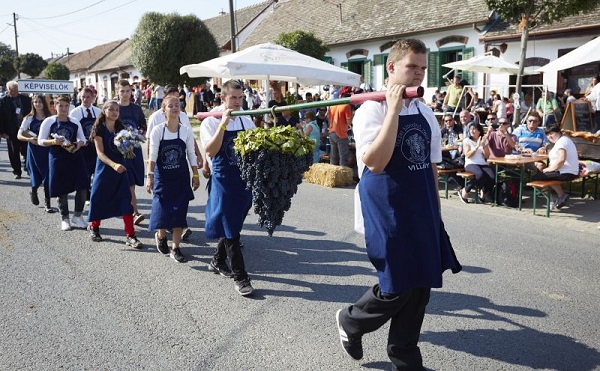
(69, 13)
(91, 16)
(64, 32)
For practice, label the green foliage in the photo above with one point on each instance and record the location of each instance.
(162, 43)
(539, 12)
(283, 139)
(31, 64)
(57, 71)
(303, 42)
(7, 56)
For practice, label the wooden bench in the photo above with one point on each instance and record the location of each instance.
(468, 176)
(444, 177)
(591, 177)
(543, 188)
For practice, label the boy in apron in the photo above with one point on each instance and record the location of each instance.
(398, 144)
(228, 199)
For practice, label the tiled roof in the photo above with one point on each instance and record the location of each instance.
(357, 20)
(118, 58)
(571, 23)
(86, 59)
(220, 26)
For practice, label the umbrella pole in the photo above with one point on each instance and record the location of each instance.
(378, 96)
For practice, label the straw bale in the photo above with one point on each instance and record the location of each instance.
(329, 175)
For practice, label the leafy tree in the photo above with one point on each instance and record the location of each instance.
(7, 55)
(162, 43)
(57, 71)
(31, 64)
(529, 14)
(303, 42)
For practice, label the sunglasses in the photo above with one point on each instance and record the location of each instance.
(532, 120)
(447, 120)
(491, 118)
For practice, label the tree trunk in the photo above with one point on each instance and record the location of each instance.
(524, 38)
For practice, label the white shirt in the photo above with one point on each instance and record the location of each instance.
(159, 117)
(185, 133)
(571, 165)
(595, 96)
(210, 126)
(478, 158)
(81, 112)
(500, 109)
(47, 123)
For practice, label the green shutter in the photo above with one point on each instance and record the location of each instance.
(468, 53)
(328, 59)
(378, 59)
(367, 71)
(344, 65)
(433, 70)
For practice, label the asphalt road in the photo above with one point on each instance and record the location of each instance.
(528, 297)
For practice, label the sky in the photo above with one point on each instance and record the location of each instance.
(47, 27)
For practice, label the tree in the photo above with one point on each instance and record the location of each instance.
(303, 42)
(57, 71)
(31, 64)
(529, 14)
(162, 43)
(7, 55)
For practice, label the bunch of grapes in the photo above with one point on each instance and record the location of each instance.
(273, 178)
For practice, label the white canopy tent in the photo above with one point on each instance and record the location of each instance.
(586, 53)
(484, 63)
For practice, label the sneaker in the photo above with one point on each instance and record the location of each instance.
(17, 176)
(132, 241)
(186, 234)
(562, 200)
(138, 218)
(78, 222)
(50, 210)
(177, 255)
(95, 234)
(65, 225)
(220, 268)
(34, 198)
(352, 346)
(87, 203)
(244, 287)
(161, 244)
(463, 199)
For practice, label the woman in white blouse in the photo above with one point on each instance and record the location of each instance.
(477, 151)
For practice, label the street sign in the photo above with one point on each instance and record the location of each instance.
(46, 86)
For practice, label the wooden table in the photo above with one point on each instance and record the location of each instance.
(516, 168)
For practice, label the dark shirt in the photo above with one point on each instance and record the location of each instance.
(280, 103)
(292, 121)
(10, 121)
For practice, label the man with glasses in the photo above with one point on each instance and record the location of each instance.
(492, 120)
(531, 138)
(501, 142)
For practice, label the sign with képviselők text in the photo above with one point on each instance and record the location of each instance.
(46, 86)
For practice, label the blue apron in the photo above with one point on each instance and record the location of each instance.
(404, 234)
(228, 200)
(110, 195)
(37, 158)
(172, 185)
(89, 151)
(67, 170)
(130, 116)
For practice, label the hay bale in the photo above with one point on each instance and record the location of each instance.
(329, 175)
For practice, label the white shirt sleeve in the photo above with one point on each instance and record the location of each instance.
(155, 138)
(26, 124)
(185, 133)
(189, 145)
(208, 128)
(155, 118)
(45, 127)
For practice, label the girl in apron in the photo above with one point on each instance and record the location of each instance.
(37, 155)
(67, 171)
(110, 190)
(171, 155)
(133, 117)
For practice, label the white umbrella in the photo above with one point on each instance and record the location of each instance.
(485, 64)
(586, 53)
(273, 62)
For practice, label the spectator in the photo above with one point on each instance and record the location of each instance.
(340, 119)
(570, 98)
(564, 164)
(311, 130)
(287, 119)
(453, 94)
(531, 137)
(547, 107)
(498, 106)
(13, 106)
(277, 101)
(501, 142)
(476, 150)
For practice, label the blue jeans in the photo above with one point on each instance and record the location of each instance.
(339, 150)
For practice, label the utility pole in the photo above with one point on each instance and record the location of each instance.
(232, 24)
(16, 41)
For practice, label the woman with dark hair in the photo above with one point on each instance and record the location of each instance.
(67, 172)
(477, 151)
(563, 164)
(37, 155)
(110, 196)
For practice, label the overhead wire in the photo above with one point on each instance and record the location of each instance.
(65, 14)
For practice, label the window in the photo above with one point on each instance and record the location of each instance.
(435, 70)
